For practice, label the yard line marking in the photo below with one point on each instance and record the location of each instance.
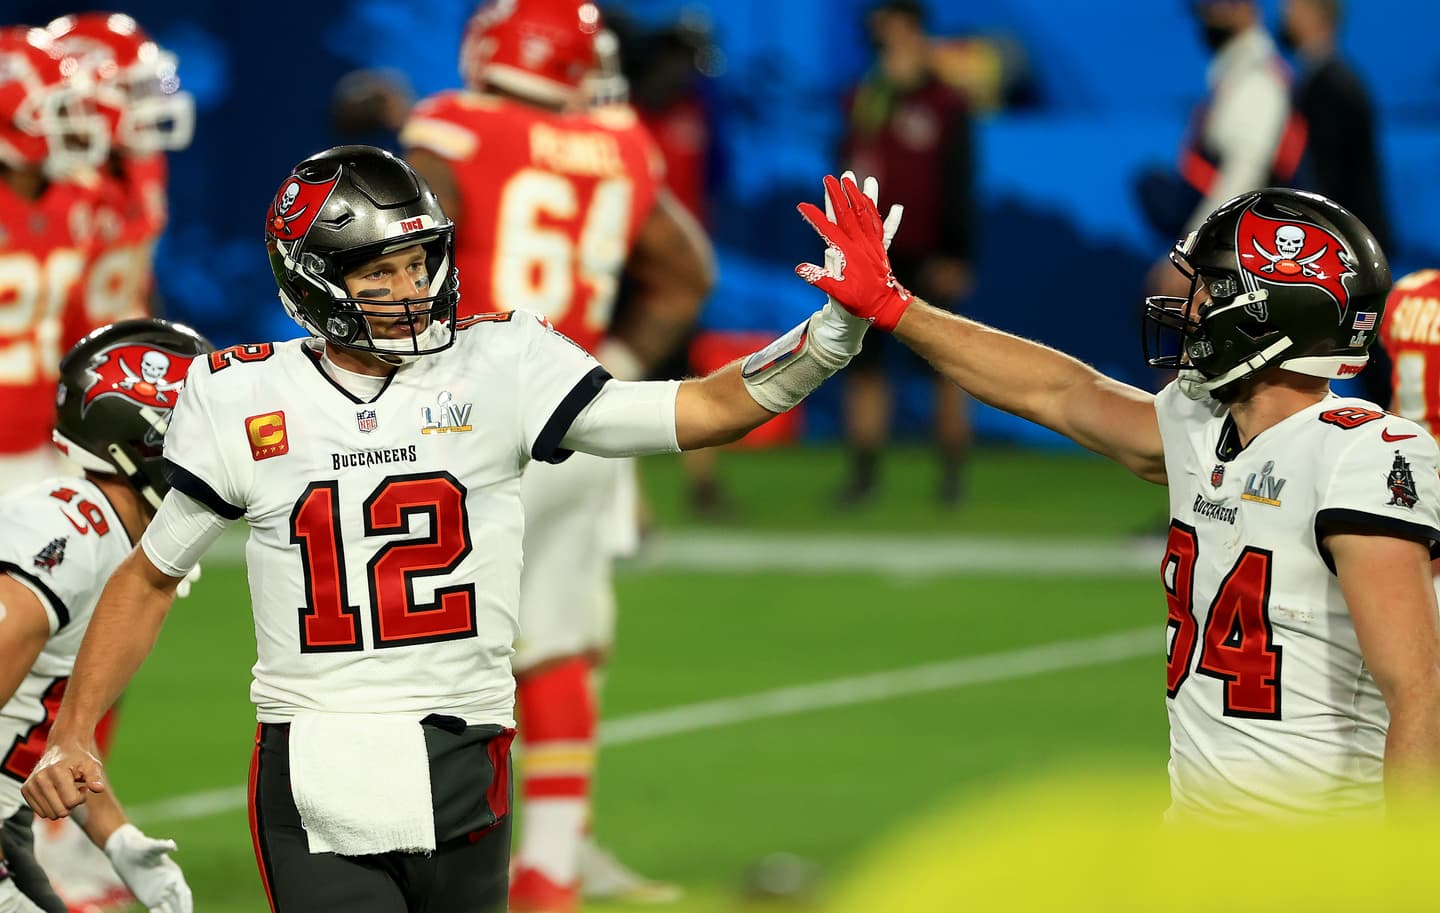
(895, 554)
(904, 555)
(987, 668)
(194, 805)
(1025, 662)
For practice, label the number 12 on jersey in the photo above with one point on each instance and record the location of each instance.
(1237, 645)
(328, 621)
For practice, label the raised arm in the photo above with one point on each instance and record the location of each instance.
(1041, 384)
(1019, 376)
(629, 419)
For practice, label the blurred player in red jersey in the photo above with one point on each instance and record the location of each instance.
(51, 139)
(144, 114)
(553, 198)
(1410, 333)
(138, 91)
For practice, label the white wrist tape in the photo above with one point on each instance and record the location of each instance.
(789, 369)
(838, 330)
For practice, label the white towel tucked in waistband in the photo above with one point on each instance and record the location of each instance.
(362, 783)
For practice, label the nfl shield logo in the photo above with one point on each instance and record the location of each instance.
(1217, 475)
(365, 420)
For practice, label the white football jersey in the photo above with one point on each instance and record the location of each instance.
(62, 539)
(1272, 709)
(384, 549)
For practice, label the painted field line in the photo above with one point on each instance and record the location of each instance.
(1009, 665)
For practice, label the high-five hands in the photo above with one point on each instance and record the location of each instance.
(857, 272)
(783, 373)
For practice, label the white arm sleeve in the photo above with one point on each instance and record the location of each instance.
(182, 531)
(627, 418)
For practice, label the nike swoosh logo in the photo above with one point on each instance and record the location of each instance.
(1392, 438)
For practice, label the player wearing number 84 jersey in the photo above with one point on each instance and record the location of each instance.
(1271, 705)
(1303, 652)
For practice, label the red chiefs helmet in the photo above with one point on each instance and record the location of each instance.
(47, 111)
(136, 83)
(539, 49)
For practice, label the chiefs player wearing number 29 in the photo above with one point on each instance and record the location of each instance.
(378, 464)
(51, 140)
(1303, 656)
(60, 539)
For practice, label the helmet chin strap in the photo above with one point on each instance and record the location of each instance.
(133, 476)
(1196, 386)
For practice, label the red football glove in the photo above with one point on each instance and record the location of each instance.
(864, 285)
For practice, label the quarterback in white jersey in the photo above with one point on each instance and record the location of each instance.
(59, 541)
(378, 465)
(1303, 643)
(406, 504)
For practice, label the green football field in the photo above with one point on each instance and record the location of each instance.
(795, 681)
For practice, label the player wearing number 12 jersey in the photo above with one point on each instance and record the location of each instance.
(1303, 644)
(378, 464)
(552, 200)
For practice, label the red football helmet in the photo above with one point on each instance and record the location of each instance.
(539, 49)
(47, 111)
(136, 81)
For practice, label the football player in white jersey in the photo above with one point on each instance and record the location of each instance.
(378, 464)
(1303, 653)
(60, 539)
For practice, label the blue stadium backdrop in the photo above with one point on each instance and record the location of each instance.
(1063, 245)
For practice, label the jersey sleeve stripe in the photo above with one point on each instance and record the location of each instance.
(1340, 520)
(57, 605)
(186, 481)
(547, 447)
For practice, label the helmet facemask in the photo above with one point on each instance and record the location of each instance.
(1216, 341)
(156, 114)
(48, 114)
(317, 298)
(75, 132)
